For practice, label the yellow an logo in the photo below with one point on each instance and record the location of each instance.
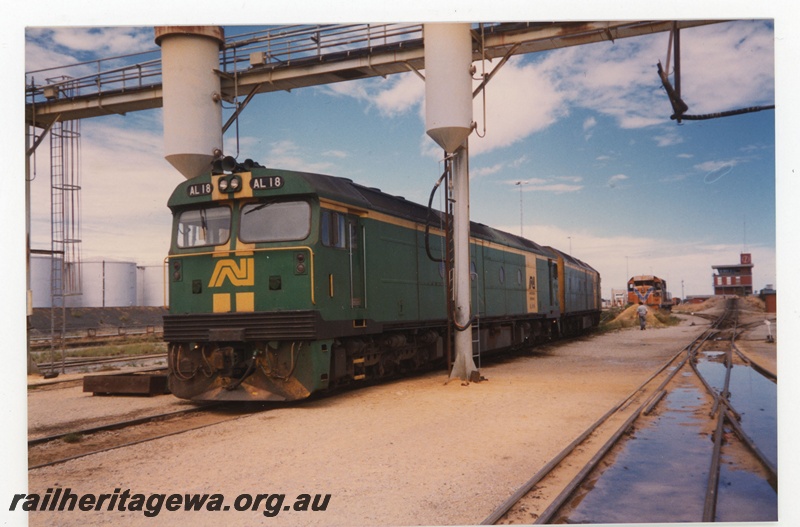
(240, 274)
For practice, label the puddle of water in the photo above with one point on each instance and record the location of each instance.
(744, 495)
(752, 395)
(661, 475)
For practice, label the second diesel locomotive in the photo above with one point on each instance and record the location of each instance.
(649, 290)
(283, 284)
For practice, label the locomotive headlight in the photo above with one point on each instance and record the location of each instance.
(300, 263)
(223, 185)
(177, 271)
(235, 184)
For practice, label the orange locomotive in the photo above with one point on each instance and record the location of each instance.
(649, 290)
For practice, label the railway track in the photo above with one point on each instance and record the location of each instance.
(74, 444)
(78, 364)
(666, 422)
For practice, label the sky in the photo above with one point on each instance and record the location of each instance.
(603, 172)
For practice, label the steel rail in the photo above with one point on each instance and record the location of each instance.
(132, 422)
(733, 418)
(712, 486)
(130, 443)
(119, 425)
(506, 506)
(756, 366)
(75, 362)
(657, 395)
(561, 499)
(647, 406)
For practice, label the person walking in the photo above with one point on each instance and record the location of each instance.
(642, 312)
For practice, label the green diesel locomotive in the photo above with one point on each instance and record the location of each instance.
(282, 284)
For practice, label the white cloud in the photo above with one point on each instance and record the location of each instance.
(405, 92)
(714, 170)
(556, 185)
(520, 100)
(498, 167)
(558, 188)
(670, 138)
(392, 96)
(486, 171)
(613, 180)
(103, 41)
(290, 156)
(588, 125)
(711, 166)
(727, 66)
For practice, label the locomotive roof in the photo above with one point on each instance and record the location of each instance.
(344, 190)
(571, 259)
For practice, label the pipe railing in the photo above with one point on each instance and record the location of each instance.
(280, 46)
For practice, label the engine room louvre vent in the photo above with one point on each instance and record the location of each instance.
(245, 326)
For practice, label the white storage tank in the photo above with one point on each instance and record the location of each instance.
(151, 290)
(108, 283)
(40, 280)
(448, 83)
(192, 100)
(41, 274)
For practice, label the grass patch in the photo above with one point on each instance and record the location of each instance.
(72, 437)
(130, 349)
(616, 324)
(667, 318)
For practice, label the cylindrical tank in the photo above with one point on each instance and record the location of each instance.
(40, 280)
(151, 288)
(191, 93)
(108, 283)
(448, 84)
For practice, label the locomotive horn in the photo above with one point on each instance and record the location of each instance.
(229, 164)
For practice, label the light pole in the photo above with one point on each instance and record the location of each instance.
(519, 183)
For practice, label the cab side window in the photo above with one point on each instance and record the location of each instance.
(332, 229)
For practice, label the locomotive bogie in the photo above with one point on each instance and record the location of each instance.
(234, 371)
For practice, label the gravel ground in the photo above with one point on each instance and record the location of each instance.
(53, 409)
(410, 452)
